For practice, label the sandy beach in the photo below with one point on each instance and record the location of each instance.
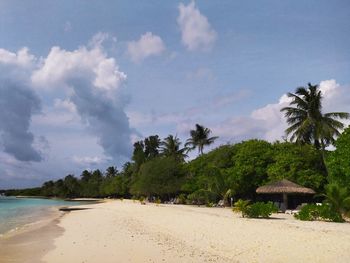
(126, 231)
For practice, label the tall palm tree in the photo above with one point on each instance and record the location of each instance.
(307, 122)
(199, 138)
(170, 146)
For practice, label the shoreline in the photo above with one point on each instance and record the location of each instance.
(126, 231)
(34, 239)
(28, 243)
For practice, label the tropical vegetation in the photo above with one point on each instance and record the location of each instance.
(159, 168)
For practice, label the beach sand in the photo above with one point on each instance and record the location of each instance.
(126, 231)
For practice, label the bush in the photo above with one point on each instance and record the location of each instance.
(209, 204)
(181, 199)
(240, 206)
(256, 210)
(260, 209)
(158, 201)
(323, 212)
(201, 197)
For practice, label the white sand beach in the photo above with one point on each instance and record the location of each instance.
(126, 231)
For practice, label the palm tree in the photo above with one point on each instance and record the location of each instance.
(338, 198)
(307, 122)
(199, 138)
(170, 146)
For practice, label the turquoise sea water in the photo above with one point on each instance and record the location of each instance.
(16, 212)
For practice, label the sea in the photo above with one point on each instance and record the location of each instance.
(17, 212)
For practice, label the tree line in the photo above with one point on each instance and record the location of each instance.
(158, 167)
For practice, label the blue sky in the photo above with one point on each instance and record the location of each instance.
(80, 81)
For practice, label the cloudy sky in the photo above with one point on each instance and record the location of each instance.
(80, 81)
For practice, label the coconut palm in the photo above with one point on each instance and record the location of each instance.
(171, 146)
(199, 138)
(307, 122)
(338, 198)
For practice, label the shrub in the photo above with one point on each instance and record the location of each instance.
(256, 210)
(241, 206)
(324, 212)
(157, 201)
(201, 197)
(181, 199)
(260, 209)
(209, 204)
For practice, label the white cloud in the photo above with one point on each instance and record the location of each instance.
(62, 66)
(88, 160)
(22, 58)
(196, 31)
(148, 45)
(90, 82)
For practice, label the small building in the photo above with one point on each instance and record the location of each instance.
(289, 194)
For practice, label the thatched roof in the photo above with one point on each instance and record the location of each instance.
(284, 186)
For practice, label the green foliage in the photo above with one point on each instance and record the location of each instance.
(325, 212)
(158, 201)
(250, 163)
(307, 122)
(201, 197)
(171, 147)
(301, 164)
(338, 161)
(199, 138)
(255, 210)
(240, 206)
(260, 209)
(181, 199)
(338, 198)
(160, 176)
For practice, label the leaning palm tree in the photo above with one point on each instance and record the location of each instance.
(199, 138)
(307, 122)
(171, 146)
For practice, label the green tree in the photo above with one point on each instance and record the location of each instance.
(299, 163)
(199, 138)
(111, 171)
(307, 122)
(171, 147)
(152, 144)
(250, 164)
(338, 161)
(139, 155)
(161, 176)
(207, 174)
(71, 185)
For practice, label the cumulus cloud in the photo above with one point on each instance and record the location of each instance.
(148, 45)
(196, 31)
(92, 83)
(18, 103)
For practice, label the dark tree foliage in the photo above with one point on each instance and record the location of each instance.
(301, 164)
(199, 138)
(338, 161)
(162, 176)
(158, 169)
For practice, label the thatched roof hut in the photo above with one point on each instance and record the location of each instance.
(284, 187)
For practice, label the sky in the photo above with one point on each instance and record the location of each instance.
(81, 81)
